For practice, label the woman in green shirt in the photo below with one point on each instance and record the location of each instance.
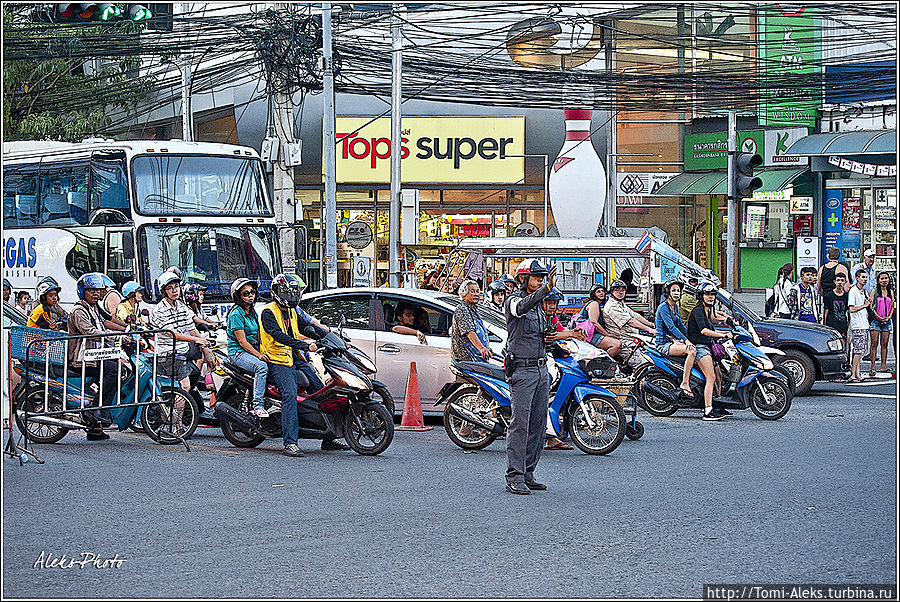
(243, 340)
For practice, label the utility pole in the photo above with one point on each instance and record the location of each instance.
(187, 112)
(394, 249)
(283, 175)
(732, 193)
(328, 156)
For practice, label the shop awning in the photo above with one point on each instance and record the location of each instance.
(716, 182)
(878, 142)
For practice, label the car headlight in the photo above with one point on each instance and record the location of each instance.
(352, 380)
(836, 344)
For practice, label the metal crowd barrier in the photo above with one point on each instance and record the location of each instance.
(44, 355)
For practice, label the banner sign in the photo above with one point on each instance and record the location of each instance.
(789, 65)
(434, 150)
(777, 143)
(640, 184)
(833, 218)
(888, 171)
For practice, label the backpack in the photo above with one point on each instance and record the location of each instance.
(769, 308)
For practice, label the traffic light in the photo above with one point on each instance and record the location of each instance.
(744, 180)
(83, 12)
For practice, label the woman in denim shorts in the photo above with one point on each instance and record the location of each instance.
(883, 304)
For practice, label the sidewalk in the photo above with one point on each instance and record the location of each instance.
(757, 300)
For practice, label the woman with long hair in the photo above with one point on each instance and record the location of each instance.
(590, 319)
(884, 305)
(783, 286)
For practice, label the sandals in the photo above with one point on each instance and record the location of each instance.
(558, 445)
(686, 392)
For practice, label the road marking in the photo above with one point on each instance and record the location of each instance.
(828, 394)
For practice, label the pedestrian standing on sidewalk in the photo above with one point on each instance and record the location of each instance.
(884, 305)
(859, 324)
(868, 266)
(835, 306)
(526, 371)
(831, 268)
(804, 300)
(783, 287)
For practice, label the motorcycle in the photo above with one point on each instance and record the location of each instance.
(478, 411)
(156, 419)
(346, 402)
(749, 380)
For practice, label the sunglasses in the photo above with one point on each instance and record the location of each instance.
(248, 294)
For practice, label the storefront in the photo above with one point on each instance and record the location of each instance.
(858, 174)
(470, 177)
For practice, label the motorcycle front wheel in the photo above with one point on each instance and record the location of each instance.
(597, 426)
(380, 394)
(370, 430)
(36, 431)
(778, 394)
(462, 432)
(157, 418)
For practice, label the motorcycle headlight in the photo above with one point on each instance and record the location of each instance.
(363, 359)
(836, 344)
(764, 363)
(353, 381)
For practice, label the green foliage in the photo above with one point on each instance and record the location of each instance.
(66, 98)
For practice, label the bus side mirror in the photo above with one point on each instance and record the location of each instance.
(128, 244)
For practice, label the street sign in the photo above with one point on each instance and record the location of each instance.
(362, 271)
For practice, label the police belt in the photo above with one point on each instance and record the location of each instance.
(530, 363)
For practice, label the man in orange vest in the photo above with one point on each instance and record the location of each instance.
(281, 327)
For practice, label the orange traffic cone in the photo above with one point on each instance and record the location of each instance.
(412, 407)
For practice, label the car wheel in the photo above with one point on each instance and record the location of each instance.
(801, 366)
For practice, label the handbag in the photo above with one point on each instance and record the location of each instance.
(718, 351)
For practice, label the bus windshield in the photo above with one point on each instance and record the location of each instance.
(168, 184)
(212, 256)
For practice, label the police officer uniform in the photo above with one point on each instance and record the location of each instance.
(528, 379)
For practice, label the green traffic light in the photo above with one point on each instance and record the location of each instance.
(138, 12)
(109, 11)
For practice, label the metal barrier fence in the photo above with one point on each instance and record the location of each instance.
(45, 367)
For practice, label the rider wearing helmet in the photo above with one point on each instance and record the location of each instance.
(497, 294)
(509, 283)
(128, 309)
(242, 327)
(688, 301)
(281, 328)
(555, 330)
(622, 321)
(193, 296)
(701, 333)
(47, 314)
(86, 319)
(526, 370)
(172, 314)
(7, 291)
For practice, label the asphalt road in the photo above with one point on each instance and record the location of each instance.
(808, 499)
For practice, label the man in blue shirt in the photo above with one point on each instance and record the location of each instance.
(671, 335)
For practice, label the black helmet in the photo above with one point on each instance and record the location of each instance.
(667, 288)
(287, 289)
(554, 295)
(506, 279)
(496, 287)
(617, 283)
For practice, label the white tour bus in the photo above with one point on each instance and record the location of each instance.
(133, 208)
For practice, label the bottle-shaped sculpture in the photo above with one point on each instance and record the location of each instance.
(578, 185)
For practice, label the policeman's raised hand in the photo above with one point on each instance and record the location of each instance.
(551, 277)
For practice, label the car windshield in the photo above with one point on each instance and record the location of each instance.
(743, 309)
(167, 184)
(212, 256)
(489, 315)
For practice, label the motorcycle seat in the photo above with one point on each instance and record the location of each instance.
(482, 368)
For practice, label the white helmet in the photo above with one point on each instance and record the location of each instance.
(167, 278)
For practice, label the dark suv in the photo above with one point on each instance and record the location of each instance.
(811, 351)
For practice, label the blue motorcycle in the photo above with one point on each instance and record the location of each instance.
(40, 413)
(749, 380)
(477, 409)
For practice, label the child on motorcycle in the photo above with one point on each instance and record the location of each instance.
(47, 314)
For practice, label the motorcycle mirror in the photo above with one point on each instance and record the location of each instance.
(324, 320)
(343, 321)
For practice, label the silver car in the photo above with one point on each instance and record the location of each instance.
(370, 316)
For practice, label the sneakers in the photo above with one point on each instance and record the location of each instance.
(260, 412)
(292, 450)
(97, 435)
(713, 415)
(333, 445)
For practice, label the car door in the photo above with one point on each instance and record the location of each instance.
(355, 307)
(394, 353)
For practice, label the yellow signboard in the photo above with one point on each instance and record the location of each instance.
(434, 150)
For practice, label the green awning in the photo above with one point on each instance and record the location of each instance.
(876, 142)
(690, 184)
(716, 182)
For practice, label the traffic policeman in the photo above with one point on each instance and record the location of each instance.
(526, 370)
